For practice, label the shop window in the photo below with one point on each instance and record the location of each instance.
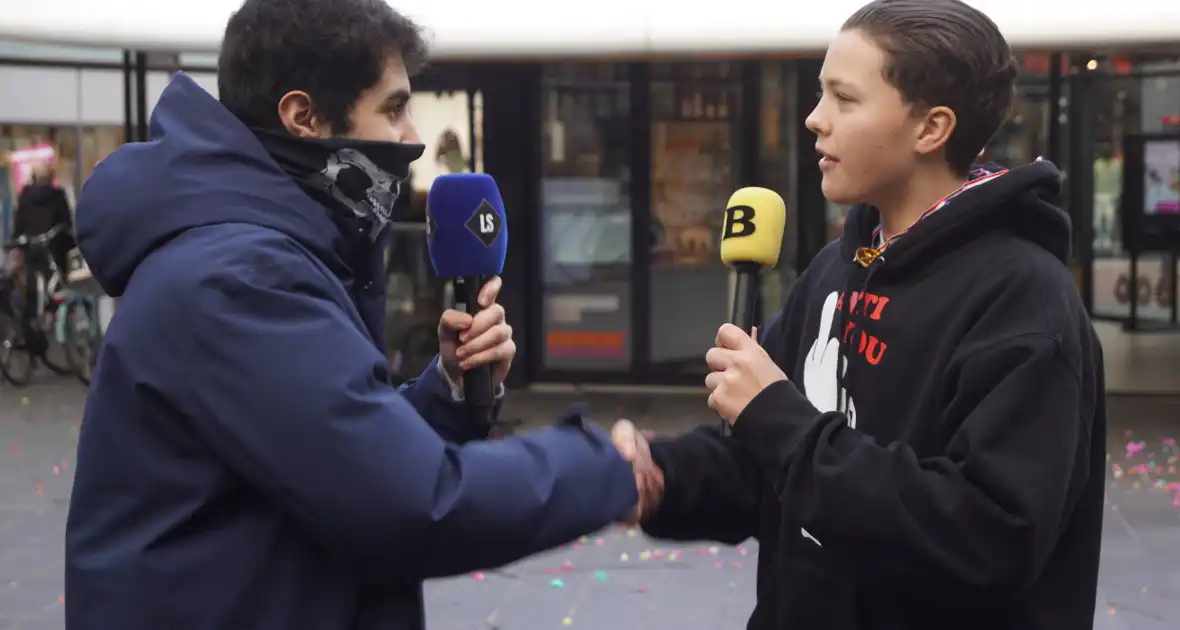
(586, 216)
(1132, 94)
(778, 170)
(694, 109)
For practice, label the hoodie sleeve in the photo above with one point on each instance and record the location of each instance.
(983, 516)
(712, 488)
(289, 393)
(440, 403)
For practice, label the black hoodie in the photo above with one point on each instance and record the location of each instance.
(940, 464)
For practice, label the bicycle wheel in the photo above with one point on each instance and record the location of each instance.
(59, 366)
(82, 340)
(16, 364)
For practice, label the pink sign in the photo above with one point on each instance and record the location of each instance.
(23, 162)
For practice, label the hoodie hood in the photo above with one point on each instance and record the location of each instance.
(201, 167)
(1018, 201)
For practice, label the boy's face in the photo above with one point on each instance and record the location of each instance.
(866, 133)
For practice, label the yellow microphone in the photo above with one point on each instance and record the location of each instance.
(751, 240)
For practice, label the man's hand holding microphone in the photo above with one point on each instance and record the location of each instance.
(469, 341)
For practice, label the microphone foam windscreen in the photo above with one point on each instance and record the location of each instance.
(753, 229)
(465, 228)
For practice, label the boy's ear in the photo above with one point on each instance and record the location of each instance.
(935, 129)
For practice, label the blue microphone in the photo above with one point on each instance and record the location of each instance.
(467, 238)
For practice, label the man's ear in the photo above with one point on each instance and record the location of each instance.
(298, 115)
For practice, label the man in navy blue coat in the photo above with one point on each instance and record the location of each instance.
(244, 462)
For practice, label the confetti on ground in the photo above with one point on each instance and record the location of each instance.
(1148, 466)
(598, 580)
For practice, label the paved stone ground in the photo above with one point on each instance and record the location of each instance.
(616, 580)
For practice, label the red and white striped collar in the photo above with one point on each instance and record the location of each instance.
(979, 177)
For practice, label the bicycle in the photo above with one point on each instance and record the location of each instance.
(78, 330)
(14, 330)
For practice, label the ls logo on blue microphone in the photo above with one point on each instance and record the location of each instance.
(431, 227)
(485, 223)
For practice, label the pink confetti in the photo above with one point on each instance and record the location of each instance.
(718, 565)
(566, 567)
(478, 577)
(57, 470)
(599, 541)
(1135, 447)
(742, 551)
(15, 448)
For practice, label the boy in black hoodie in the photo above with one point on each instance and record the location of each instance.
(919, 436)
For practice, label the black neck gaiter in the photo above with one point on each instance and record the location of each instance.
(359, 178)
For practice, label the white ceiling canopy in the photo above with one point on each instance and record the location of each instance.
(528, 29)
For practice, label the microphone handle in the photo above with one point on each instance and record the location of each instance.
(745, 298)
(745, 305)
(477, 382)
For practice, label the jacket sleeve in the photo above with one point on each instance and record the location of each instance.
(62, 214)
(712, 488)
(984, 516)
(440, 403)
(20, 214)
(290, 394)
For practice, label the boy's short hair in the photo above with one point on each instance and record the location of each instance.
(331, 49)
(945, 52)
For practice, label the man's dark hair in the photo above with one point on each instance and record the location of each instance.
(944, 52)
(331, 49)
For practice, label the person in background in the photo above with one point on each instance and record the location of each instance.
(449, 154)
(244, 462)
(42, 207)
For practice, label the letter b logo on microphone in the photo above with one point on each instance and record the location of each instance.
(743, 241)
(739, 221)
